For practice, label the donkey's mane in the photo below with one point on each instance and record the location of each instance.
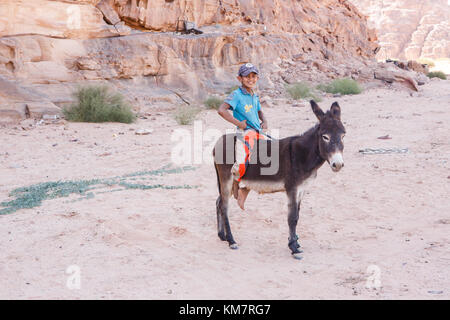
(306, 135)
(310, 131)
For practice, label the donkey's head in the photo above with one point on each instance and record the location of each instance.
(331, 135)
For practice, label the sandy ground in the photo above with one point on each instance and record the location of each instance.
(379, 229)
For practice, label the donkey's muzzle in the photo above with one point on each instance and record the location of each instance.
(336, 161)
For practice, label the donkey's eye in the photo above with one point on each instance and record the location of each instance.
(325, 137)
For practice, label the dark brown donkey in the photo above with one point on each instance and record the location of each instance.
(296, 160)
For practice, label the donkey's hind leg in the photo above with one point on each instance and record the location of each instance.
(220, 226)
(222, 213)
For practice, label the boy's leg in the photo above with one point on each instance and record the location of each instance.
(240, 192)
(236, 170)
(242, 196)
(238, 155)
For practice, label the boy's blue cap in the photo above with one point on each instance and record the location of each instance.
(246, 69)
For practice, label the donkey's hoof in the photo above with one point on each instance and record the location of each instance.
(297, 256)
(234, 246)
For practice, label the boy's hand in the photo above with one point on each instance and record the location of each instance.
(243, 124)
(264, 125)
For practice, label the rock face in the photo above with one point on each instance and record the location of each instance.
(18, 102)
(409, 29)
(59, 19)
(49, 47)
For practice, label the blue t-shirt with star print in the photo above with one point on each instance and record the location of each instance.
(245, 107)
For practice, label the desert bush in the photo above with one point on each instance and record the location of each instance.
(99, 104)
(302, 90)
(185, 115)
(437, 74)
(213, 103)
(342, 86)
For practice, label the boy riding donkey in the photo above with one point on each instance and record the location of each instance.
(249, 119)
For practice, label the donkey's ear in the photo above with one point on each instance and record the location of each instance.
(336, 110)
(316, 109)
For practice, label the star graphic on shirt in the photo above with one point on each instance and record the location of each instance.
(248, 107)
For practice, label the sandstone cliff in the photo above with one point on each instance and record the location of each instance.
(410, 29)
(48, 47)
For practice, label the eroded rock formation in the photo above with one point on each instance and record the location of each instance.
(410, 29)
(48, 47)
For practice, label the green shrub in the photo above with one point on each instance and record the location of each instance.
(342, 86)
(437, 74)
(322, 87)
(302, 90)
(99, 104)
(213, 103)
(185, 115)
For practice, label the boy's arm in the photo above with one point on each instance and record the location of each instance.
(224, 113)
(263, 120)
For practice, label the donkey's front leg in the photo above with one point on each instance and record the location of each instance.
(293, 214)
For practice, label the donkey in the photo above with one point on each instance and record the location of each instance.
(299, 158)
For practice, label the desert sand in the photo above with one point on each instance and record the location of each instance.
(378, 229)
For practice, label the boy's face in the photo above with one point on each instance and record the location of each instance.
(249, 81)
